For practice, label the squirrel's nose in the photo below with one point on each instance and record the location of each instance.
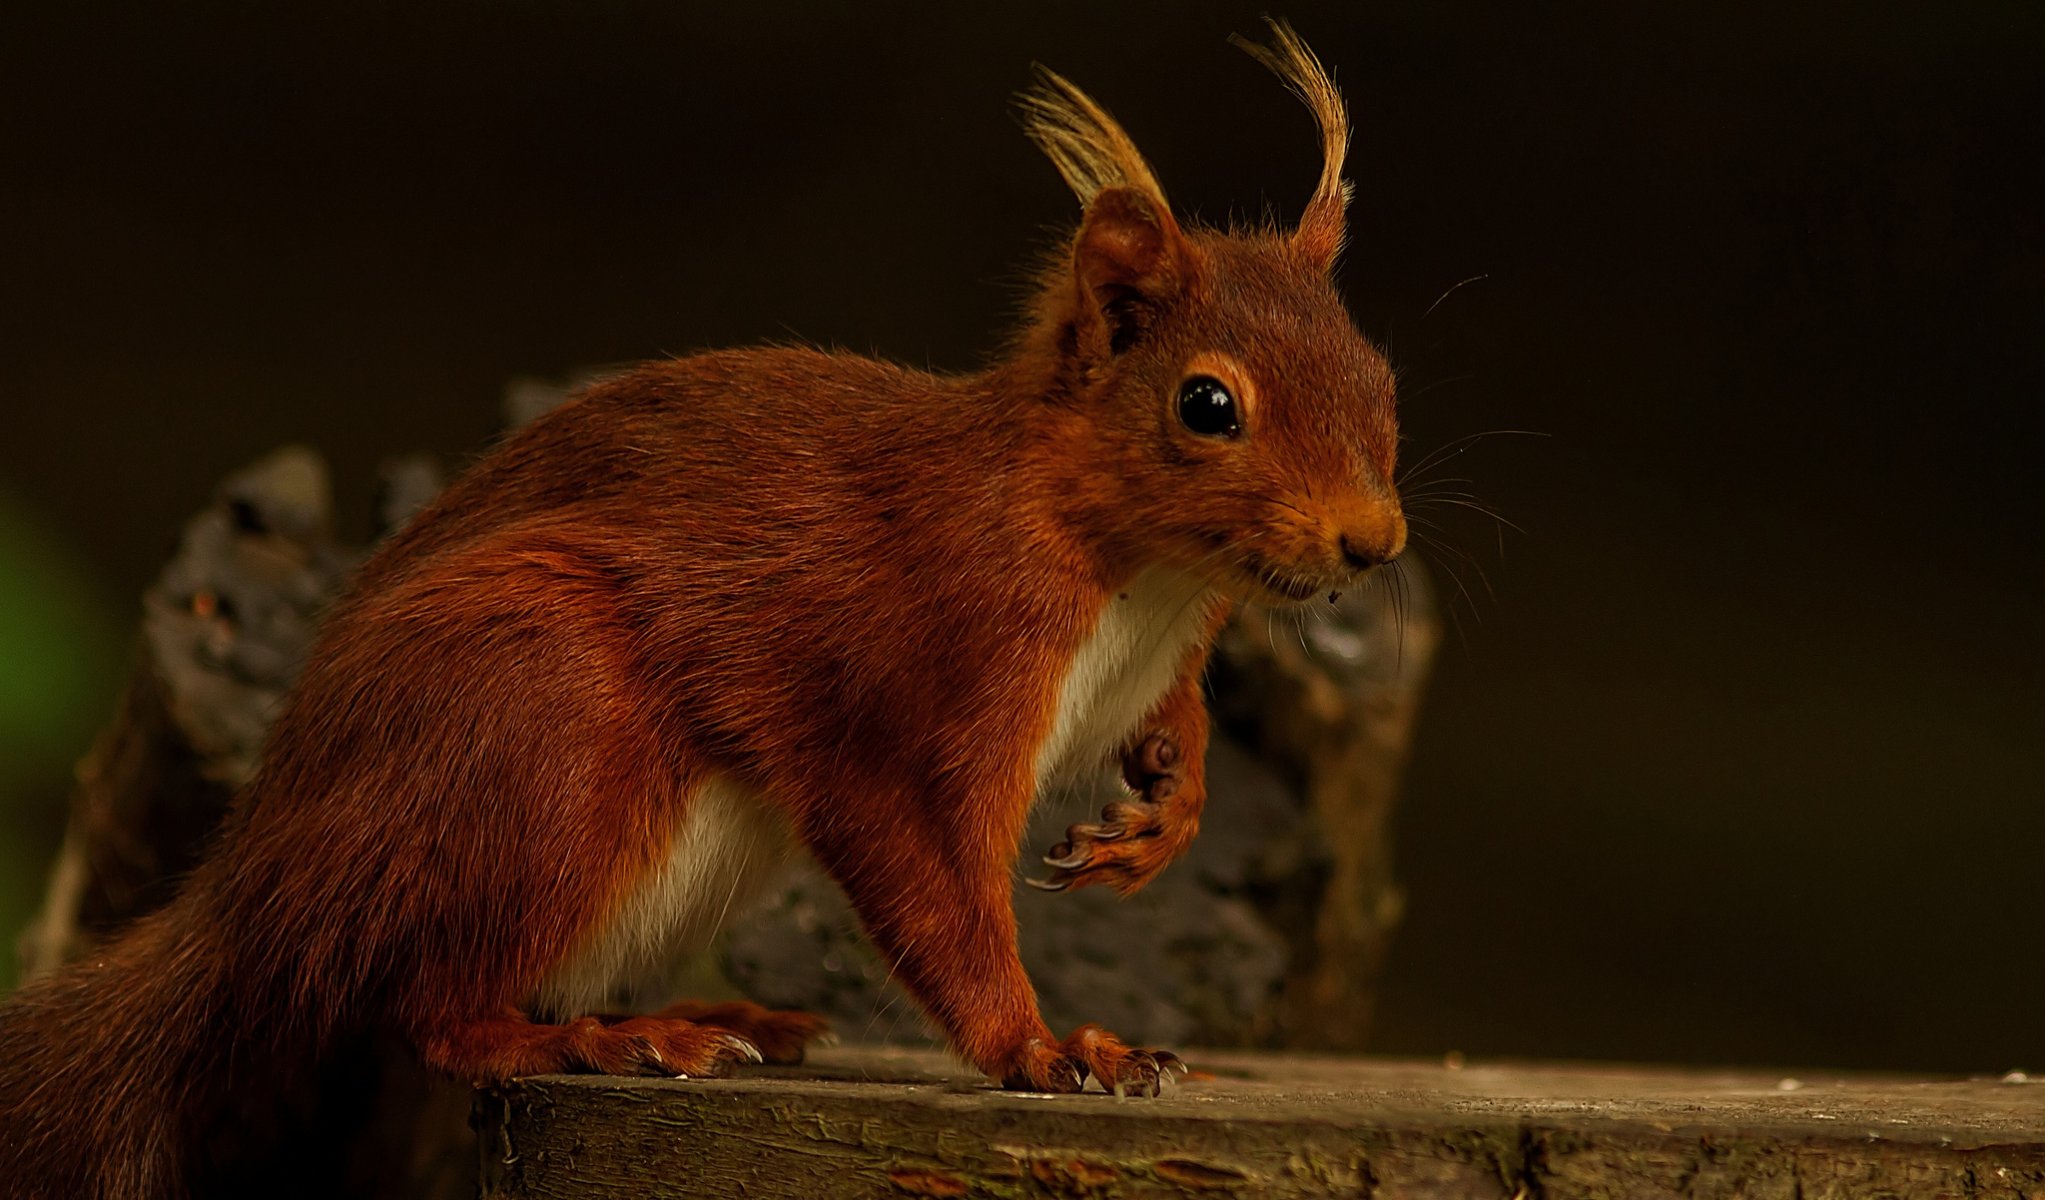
(1360, 554)
(1362, 550)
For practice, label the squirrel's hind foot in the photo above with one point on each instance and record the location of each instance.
(781, 1035)
(508, 1046)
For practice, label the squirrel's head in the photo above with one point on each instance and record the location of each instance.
(1241, 421)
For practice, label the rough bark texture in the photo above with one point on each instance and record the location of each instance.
(872, 1122)
(223, 630)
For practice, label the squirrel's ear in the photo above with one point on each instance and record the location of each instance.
(1129, 255)
(1322, 226)
(1127, 260)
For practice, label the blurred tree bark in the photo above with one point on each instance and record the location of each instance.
(1334, 710)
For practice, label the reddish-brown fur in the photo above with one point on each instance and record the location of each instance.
(853, 587)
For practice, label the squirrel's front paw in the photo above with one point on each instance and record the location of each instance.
(1135, 838)
(1042, 1067)
(1092, 1052)
(1154, 767)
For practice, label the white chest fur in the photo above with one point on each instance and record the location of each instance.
(729, 845)
(1132, 657)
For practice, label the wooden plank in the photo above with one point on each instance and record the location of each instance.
(868, 1122)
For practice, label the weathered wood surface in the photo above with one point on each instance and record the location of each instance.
(875, 1122)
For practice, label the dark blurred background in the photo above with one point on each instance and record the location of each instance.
(1735, 751)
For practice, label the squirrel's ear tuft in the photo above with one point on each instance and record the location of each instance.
(1128, 259)
(1322, 226)
(1083, 141)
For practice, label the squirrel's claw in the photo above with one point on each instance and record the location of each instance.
(775, 1036)
(1092, 1053)
(1114, 826)
(1122, 1069)
(1101, 853)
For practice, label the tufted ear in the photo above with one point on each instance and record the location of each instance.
(1130, 256)
(1127, 261)
(1322, 226)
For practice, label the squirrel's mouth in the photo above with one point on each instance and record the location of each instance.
(1282, 584)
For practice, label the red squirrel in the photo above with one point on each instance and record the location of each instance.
(724, 606)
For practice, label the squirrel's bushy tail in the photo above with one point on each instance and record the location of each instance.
(111, 1065)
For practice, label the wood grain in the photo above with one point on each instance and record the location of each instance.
(873, 1122)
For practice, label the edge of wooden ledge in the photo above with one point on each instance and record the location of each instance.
(875, 1121)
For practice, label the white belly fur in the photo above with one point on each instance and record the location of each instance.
(729, 844)
(1123, 668)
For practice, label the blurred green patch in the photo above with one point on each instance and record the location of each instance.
(60, 653)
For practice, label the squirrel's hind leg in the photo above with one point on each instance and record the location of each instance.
(508, 1045)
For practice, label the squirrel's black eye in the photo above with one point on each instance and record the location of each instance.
(1207, 408)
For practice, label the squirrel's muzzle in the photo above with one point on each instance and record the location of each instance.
(1373, 539)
